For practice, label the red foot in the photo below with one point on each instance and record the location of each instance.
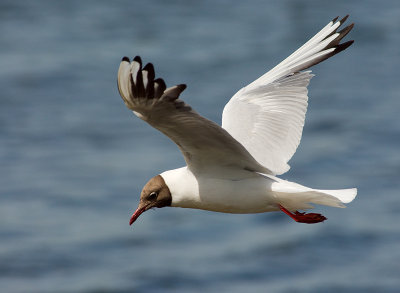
(310, 218)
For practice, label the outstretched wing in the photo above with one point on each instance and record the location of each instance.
(267, 116)
(204, 144)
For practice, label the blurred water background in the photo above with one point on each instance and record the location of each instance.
(73, 159)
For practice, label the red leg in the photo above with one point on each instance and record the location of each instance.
(310, 218)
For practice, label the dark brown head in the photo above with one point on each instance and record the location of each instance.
(155, 194)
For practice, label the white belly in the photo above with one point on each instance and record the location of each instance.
(255, 194)
(250, 195)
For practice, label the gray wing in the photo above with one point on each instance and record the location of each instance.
(204, 144)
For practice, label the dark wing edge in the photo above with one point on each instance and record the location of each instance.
(142, 89)
(204, 144)
(323, 45)
(334, 44)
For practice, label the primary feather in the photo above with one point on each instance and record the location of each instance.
(267, 116)
(206, 146)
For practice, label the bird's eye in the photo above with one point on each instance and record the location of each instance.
(153, 195)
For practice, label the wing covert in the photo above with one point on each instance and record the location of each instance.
(204, 144)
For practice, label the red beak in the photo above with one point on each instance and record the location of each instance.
(136, 214)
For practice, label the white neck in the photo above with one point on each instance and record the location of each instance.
(183, 186)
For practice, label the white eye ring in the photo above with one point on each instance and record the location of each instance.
(153, 195)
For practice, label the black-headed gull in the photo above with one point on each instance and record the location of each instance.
(233, 168)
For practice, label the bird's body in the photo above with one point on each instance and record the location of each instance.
(233, 168)
(254, 193)
(251, 194)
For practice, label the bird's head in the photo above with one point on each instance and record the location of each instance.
(155, 194)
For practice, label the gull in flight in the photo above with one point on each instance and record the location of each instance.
(233, 168)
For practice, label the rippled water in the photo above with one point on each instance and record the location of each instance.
(73, 158)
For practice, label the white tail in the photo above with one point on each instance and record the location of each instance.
(294, 196)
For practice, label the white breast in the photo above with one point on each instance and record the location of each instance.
(250, 195)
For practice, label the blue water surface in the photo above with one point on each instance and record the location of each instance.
(73, 159)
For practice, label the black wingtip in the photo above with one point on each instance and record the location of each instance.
(161, 83)
(341, 35)
(334, 20)
(346, 29)
(125, 59)
(182, 87)
(149, 67)
(343, 46)
(150, 73)
(138, 59)
(344, 19)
